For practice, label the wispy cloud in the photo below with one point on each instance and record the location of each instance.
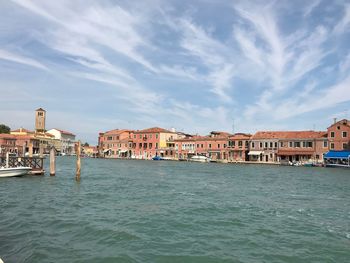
(6, 55)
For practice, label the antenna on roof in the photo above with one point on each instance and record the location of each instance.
(233, 126)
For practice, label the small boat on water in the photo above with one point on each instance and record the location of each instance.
(337, 159)
(157, 158)
(14, 171)
(199, 158)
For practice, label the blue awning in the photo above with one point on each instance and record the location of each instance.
(337, 155)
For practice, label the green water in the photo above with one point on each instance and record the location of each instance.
(149, 211)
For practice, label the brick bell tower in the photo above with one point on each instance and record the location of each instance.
(40, 116)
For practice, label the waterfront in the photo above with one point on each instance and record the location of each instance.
(147, 211)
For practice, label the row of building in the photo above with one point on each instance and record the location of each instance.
(263, 146)
(23, 142)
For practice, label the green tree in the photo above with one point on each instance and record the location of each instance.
(4, 128)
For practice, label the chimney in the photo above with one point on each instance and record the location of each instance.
(335, 120)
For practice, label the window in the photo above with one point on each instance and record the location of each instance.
(201, 145)
(332, 145)
(338, 127)
(332, 134)
(219, 146)
(150, 145)
(325, 144)
(150, 136)
(140, 136)
(209, 145)
(296, 144)
(224, 145)
(281, 144)
(253, 145)
(156, 145)
(197, 145)
(271, 144)
(261, 145)
(157, 136)
(275, 144)
(266, 144)
(145, 145)
(233, 143)
(140, 145)
(240, 143)
(290, 144)
(345, 146)
(309, 144)
(344, 134)
(109, 138)
(304, 144)
(134, 136)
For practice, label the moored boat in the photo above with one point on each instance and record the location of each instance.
(157, 158)
(199, 158)
(337, 159)
(14, 171)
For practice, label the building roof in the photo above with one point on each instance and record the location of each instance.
(154, 130)
(64, 132)
(22, 130)
(343, 122)
(289, 135)
(40, 109)
(240, 136)
(116, 131)
(7, 136)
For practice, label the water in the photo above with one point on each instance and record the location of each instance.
(148, 211)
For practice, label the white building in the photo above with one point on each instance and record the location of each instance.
(66, 141)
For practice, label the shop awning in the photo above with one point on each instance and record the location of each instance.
(255, 152)
(337, 155)
(107, 150)
(123, 151)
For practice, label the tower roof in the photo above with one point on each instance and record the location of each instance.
(40, 109)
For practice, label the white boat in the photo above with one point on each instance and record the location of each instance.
(15, 171)
(199, 158)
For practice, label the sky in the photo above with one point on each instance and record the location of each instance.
(197, 66)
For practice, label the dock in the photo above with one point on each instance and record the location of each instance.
(36, 163)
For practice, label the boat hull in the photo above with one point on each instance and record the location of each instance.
(13, 172)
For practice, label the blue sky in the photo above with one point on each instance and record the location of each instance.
(193, 65)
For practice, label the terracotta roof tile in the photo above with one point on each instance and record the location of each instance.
(289, 135)
(154, 130)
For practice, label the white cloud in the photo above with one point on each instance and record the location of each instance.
(6, 55)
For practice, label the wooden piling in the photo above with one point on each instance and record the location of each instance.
(52, 161)
(78, 152)
(7, 159)
(41, 150)
(30, 149)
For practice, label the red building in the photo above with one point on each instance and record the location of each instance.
(339, 135)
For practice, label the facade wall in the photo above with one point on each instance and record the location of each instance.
(339, 136)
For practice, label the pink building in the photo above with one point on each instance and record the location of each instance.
(152, 142)
(116, 143)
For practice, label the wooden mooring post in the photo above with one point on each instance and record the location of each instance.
(52, 161)
(78, 153)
